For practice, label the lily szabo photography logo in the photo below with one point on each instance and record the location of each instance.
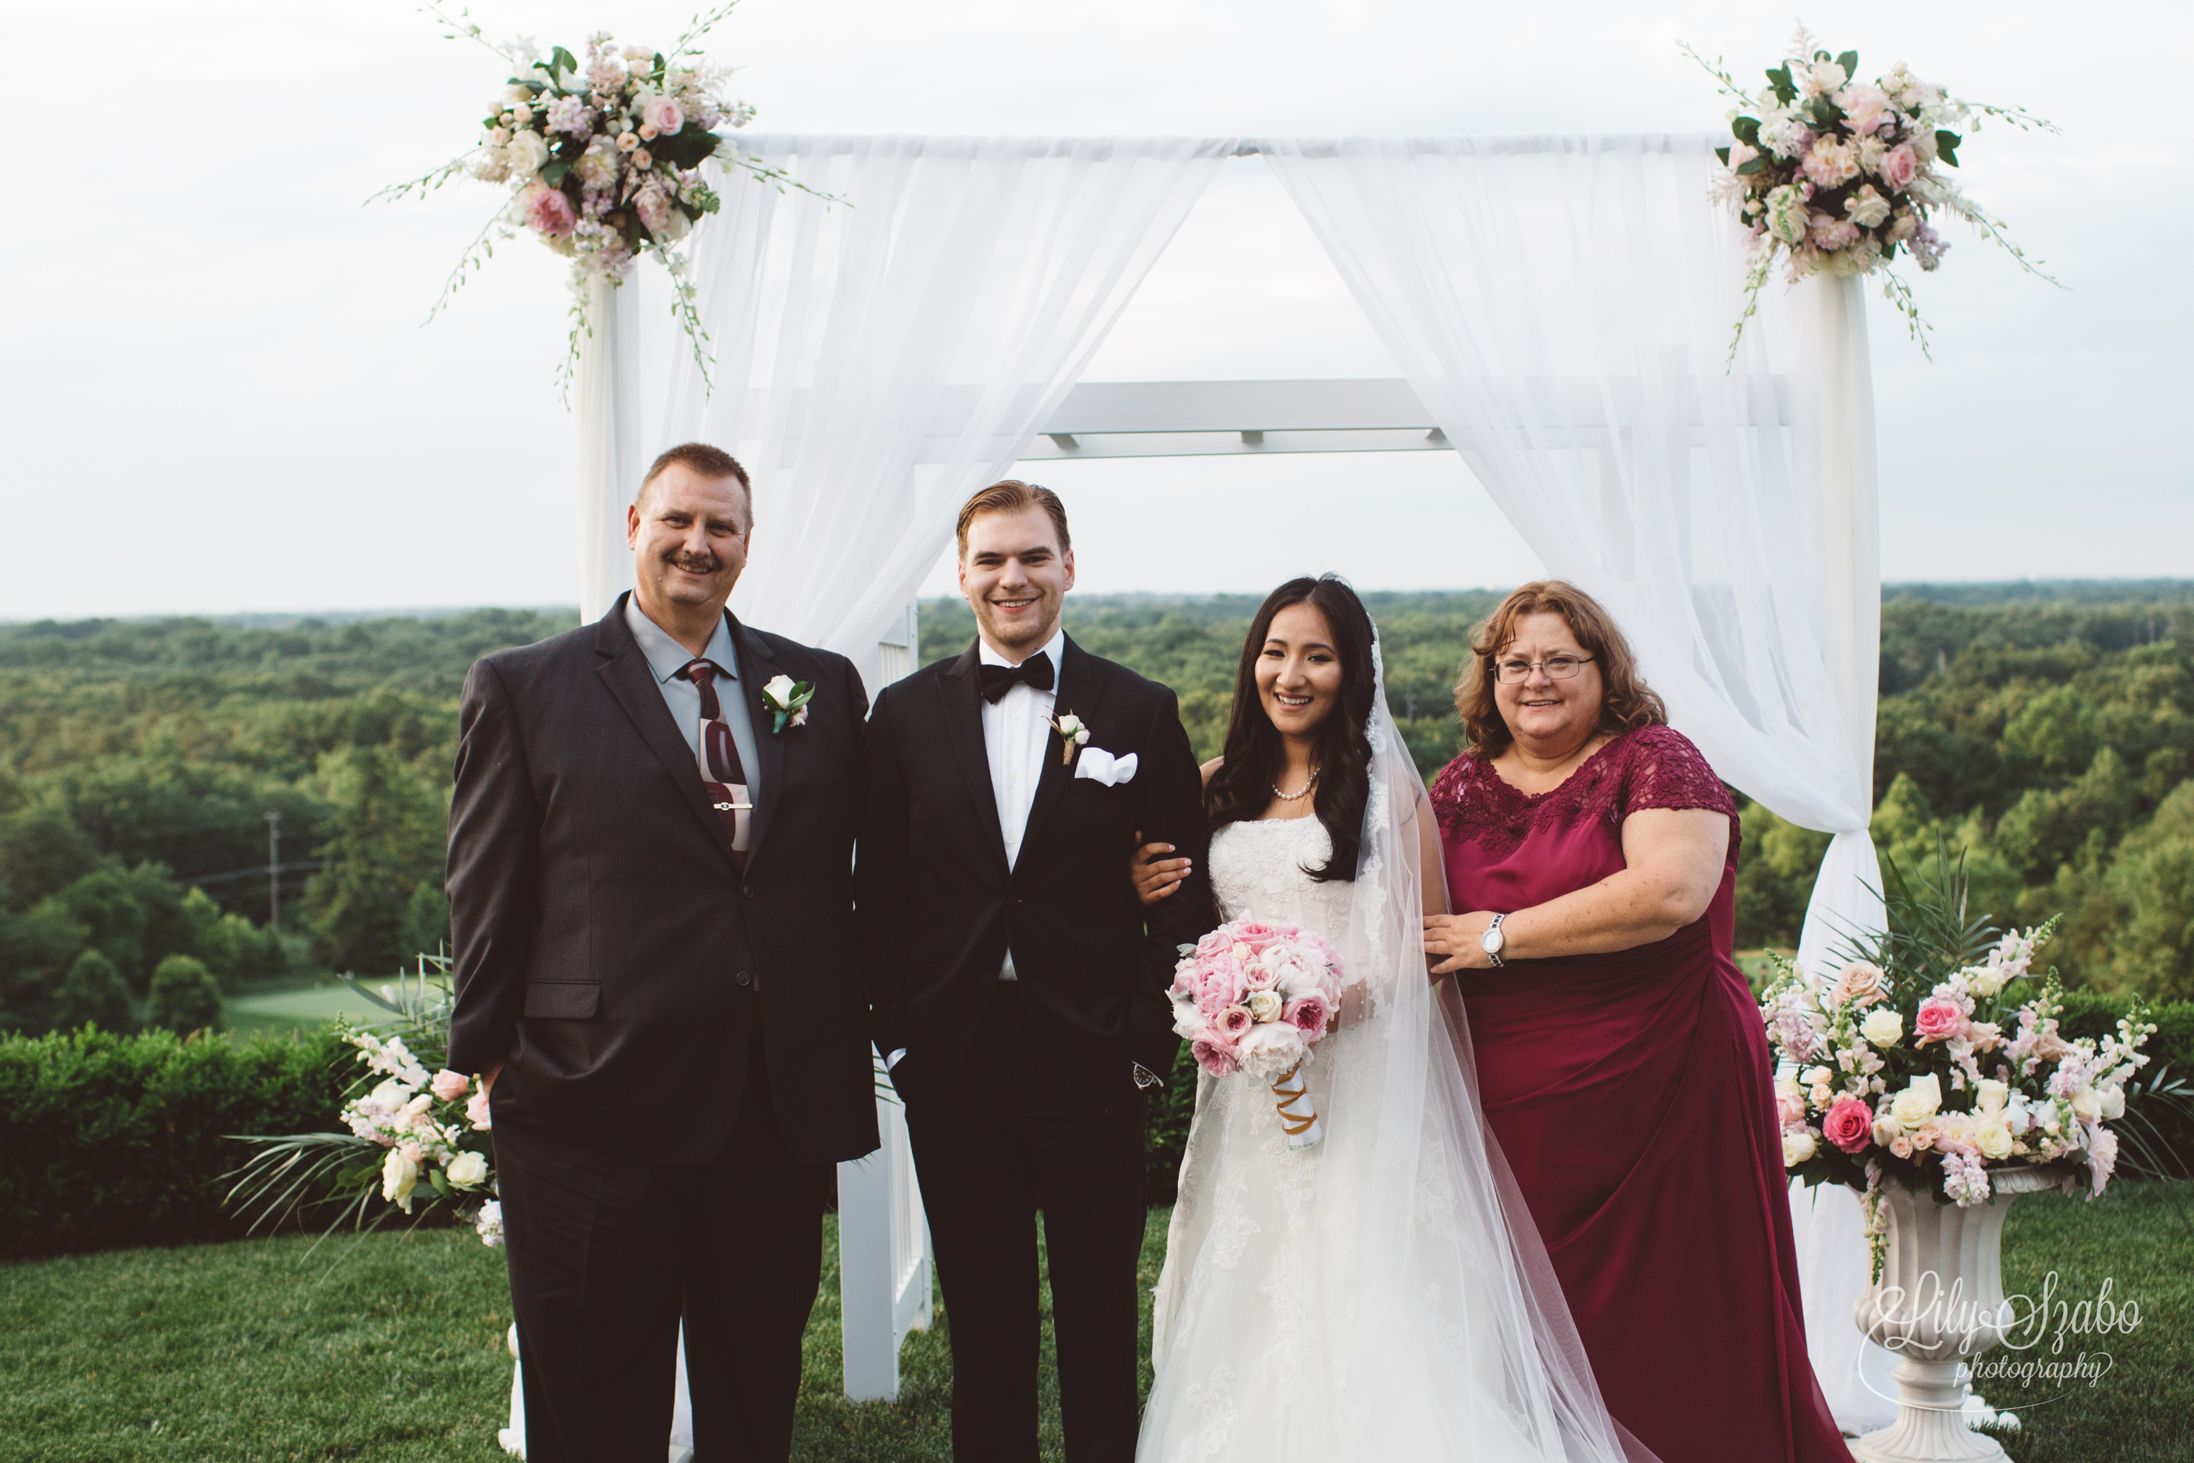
(2023, 1351)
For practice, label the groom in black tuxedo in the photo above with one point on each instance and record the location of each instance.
(1019, 993)
(652, 902)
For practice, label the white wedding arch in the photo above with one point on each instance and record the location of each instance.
(1561, 309)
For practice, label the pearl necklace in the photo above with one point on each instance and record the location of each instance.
(1293, 797)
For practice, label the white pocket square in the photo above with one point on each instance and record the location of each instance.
(1100, 765)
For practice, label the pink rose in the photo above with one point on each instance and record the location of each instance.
(1234, 1022)
(1215, 1057)
(1901, 1146)
(1255, 934)
(665, 115)
(449, 1086)
(547, 210)
(1899, 166)
(1790, 1108)
(1861, 983)
(476, 1112)
(1308, 1014)
(1849, 1125)
(1938, 1020)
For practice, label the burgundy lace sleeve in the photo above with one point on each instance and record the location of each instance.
(1666, 771)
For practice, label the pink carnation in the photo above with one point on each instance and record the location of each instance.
(1308, 1014)
(449, 1086)
(1849, 1125)
(548, 211)
(1938, 1020)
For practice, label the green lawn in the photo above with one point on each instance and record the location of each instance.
(297, 1008)
(253, 1352)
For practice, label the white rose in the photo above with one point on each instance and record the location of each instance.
(468, 1170)
(1263, 1005)
(1883, 1028)
(1822, 77)
(1887, 1129)
(1990, 1095)
(1921, 1100)
(1798, 1146)
(398, 1174)
(778, 689)
(1984, 980)
(1816, 1076)
(525, 154)
(1993, 1138)
(1869, 209)
(2087, 1106)
(2113, 1104)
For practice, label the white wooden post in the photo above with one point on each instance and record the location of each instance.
(883, 1235)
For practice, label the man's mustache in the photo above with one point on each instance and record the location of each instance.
(694, 563)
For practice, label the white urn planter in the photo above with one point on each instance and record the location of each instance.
(1938, 1305)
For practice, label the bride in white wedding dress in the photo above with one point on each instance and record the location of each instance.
(1381, 1295)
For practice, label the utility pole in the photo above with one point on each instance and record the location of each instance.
(274, 870)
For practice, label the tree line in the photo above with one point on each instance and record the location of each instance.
(2043, 734)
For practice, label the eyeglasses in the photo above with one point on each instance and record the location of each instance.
(1557, 667)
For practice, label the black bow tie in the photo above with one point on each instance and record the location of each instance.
(999, 679)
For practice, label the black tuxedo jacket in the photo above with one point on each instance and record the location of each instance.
(940, 908)
(608, 949)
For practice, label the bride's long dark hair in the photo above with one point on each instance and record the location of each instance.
(1242, 787)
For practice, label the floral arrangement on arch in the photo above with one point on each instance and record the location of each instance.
(1838, 174)
(603, 161)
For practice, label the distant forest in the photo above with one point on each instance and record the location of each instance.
(2045, 732)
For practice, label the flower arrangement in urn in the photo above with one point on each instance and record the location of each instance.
(1838, 174)
(1934, 1057)
(603, 161)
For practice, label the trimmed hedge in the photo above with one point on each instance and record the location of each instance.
(110, 1140)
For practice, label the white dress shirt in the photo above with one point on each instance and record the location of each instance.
(1016, 736)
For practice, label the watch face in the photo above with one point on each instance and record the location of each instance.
(1491, 941)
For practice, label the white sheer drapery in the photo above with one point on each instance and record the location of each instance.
(878, 359)
(1562, 305)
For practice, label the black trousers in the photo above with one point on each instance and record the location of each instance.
(1001, 1142)
(608, 1254)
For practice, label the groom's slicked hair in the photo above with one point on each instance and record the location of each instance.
(709, 462)
(1011, 496)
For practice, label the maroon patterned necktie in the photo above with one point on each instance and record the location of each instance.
(721, 772)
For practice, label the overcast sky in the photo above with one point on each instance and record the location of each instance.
(219, 394)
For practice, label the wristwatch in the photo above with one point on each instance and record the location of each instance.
(1492, 941)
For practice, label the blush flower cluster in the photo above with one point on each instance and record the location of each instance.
(1837, 174)
(425, 1122)
(1932, 1090)
(1254, 997)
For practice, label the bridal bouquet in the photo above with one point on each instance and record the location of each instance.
(1256, 997)
(1933, 1086)
(603, 161)
(1839, 173)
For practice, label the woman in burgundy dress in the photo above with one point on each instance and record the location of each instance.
(1620, 1055)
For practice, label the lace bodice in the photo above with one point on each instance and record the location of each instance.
(1258, 868)
(1651, 767)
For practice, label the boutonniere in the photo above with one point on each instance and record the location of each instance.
(789, 699)
(1073, 731)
